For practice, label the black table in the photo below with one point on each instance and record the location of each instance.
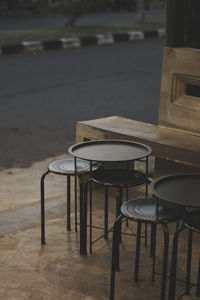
(104, 151)
(182, 189)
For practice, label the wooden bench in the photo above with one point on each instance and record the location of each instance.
(174, 149)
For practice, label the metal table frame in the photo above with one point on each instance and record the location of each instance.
(83, 198)
(177, 196)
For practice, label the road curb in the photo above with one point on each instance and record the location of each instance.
(77, 42)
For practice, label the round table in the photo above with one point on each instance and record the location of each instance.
(110, 150)
(182, 189)
(104, 151)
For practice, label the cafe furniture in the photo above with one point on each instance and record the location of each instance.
(105, 151)
(150, 211)
(182, 189)
(68, 168)
(192, 221)
(119, 179)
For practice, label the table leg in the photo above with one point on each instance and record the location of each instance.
(153, 248)
(75, 201)
(153, 238)
(68, 202)
(172, 285)
(189, 257)
(82, 217)
(198, 281)
(165, 260)
(137, 252)
(86, 188)
(146, 195)
(127, 198)
(42, 208)
(115, 255)
(118, 209)
(106, 215)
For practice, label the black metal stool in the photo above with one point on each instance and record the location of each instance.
(145, 210)
(191, 221)
(68, 167)
(117, 178)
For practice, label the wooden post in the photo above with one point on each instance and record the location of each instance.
(192, 27)
(183, 23)
(146, 5)
(12, 4)
(175, 22)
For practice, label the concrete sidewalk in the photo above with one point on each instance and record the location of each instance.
(21, 186)
(77, 42)
(56, 271)
(52, 21)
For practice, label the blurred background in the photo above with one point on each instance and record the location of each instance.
(44, 93)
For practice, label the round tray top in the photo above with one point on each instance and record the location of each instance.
(183, 189)
(67, 166)
(110, 150)
(151, 210)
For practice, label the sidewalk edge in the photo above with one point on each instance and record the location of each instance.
(77, 42)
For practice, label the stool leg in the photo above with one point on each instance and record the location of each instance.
(137, 254)
(172, 284)
(68, 203)
(89, 183)
(127, 189)
(90, 211)
(153, 237)
(145, 234)
(115, 255)
(189, 257)
(153, 250)
(118, 236)
(127, 196)
(177, 224)
(83, 218)
(146, 195)
(198, 282)
(147, 174)
(118, 207)
(165, 261)
(75, 201)
(90, 192)
(106, 215)
(42, 208)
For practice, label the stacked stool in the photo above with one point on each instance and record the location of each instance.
(119, 179)
(145, 210)
(67, 167)
(191, 221)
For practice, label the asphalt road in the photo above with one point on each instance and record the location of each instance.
(43, 96)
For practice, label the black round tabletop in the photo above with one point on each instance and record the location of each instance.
(183, 189)
(110, 150)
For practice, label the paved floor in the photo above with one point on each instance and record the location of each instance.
(57, 271)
